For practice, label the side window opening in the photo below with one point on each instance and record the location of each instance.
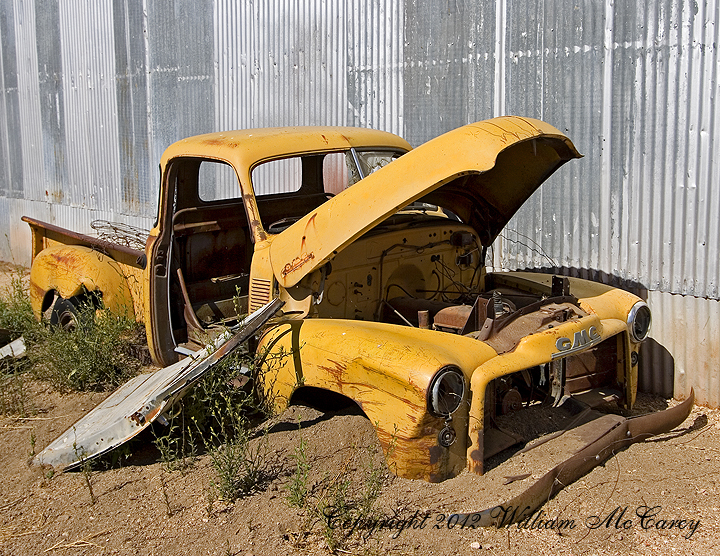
(278, 177)
(217, 182)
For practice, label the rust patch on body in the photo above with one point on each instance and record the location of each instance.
(253, 217)
(337, 371)
(297, 263)
(310, 223)
(37, 291)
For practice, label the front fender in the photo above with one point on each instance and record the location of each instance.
(386, 370)
(70, 270)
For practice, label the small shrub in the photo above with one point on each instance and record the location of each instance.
(209, 415)
(16, 319)
(350, 504)
(16, 314)
(100, 353)
(240, 465)
(176, 445)
(86, 469)
(14, 398)
(297, 489)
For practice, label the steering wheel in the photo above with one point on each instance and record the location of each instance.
(282, 224)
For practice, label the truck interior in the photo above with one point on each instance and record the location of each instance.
(212, 244)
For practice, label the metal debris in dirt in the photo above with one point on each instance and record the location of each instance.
(13, 350)
(143, 399)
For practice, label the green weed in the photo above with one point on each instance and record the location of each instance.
(86, 469)
(14, 397)
(16, 319)
(339, 504)
(297, 489)
(166, 496)
(16, 316)
(240, 466)
(100, 353)
(176, 444)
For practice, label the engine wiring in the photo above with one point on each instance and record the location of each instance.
(449, 273)
(419, 249)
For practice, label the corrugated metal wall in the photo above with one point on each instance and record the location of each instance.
(92, 91)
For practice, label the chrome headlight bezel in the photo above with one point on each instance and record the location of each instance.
(639, 321)
(446, 391)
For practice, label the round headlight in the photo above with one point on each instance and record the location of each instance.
(446, 391)
(638, 321)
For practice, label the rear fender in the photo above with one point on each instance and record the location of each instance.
(71, 270)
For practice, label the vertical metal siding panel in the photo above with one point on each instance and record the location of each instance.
(374, 65)
(677, 185)
(52, 100)
(131, 92)
(90, 103)
(633, 85)
(683, 328)
(712, 240)
(449, 55)
(706, 224)
(11, 130)
(297, 52)
(556, 74)
(29, 98)
(181, 71)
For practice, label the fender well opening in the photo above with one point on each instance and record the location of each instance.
(324, 400)
(47, 300)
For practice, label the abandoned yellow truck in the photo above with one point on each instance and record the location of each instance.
(377, 254)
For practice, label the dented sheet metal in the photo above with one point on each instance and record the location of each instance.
(13, 350)
(590, 445)
(139, 402)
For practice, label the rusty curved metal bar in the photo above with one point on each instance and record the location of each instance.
(618, 434)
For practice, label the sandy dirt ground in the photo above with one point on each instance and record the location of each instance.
(657, 497)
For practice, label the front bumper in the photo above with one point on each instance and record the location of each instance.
(601, 438)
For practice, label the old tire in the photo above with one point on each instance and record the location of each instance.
(65, 314)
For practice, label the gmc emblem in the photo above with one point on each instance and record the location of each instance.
(582, 339)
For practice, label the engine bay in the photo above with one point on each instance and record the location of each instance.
(430, 273)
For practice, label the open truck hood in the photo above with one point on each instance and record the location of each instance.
(483, 172)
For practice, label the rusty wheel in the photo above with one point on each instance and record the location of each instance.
(512, 401)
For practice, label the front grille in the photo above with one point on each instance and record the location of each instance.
(594, 368)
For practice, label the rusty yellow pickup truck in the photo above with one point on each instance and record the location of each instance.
(377, 254)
